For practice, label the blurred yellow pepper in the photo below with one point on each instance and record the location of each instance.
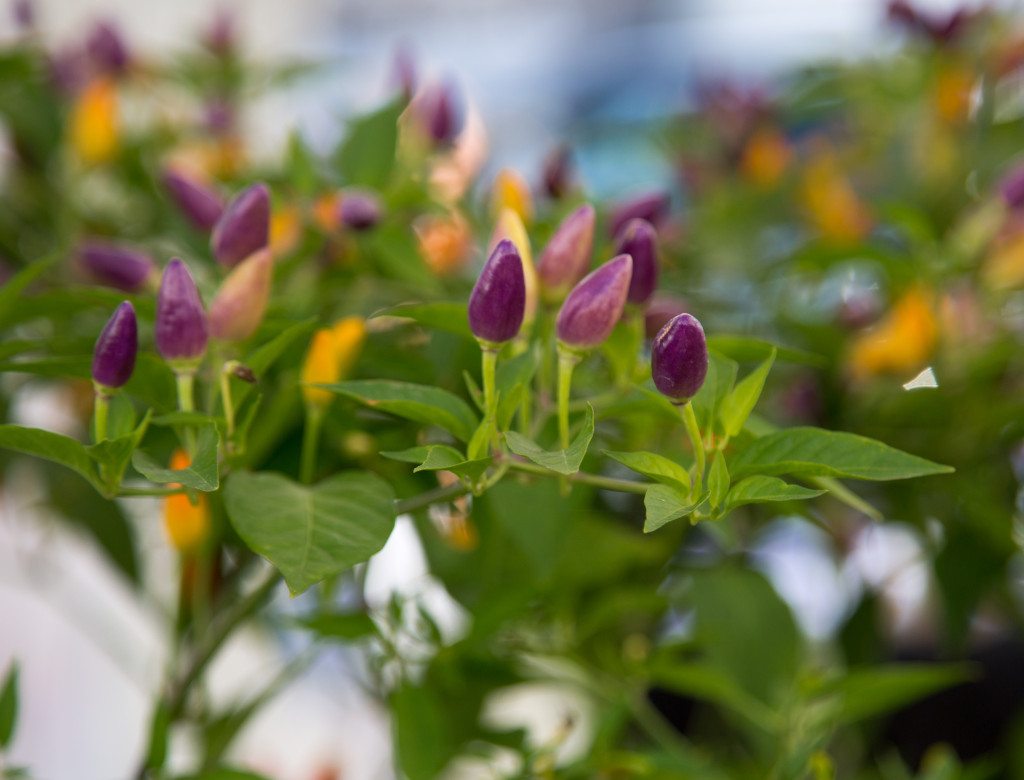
(187, 524)
(902, 342)
(285, 230)
(332, 353)
(511, 192)
(326, 211)
(444, 242)
(951, 97)
(832, 205)
(510, 226)
(94, 123)
(1004, 266)
(766, 155)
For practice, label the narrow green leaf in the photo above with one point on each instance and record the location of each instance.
(367, 155)
(737, 406)
(441, 457)
(420, 403)
(761, 489)
(865, 693)
(816, 452)
(747, 348)
(338, 625)
(311, 532)
(200, 474)
(9, 705)
(12, 290)
(706, 682)
(664, 504)
(717, 385)
(718, 479)
(563, 461)
(113, 455)
(657, 467)
(448, 316)
(52, 447)
(842, 493)
(266, 355)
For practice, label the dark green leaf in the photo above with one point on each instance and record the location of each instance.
(113, 455)
(865, 693)
(339, 625)
(8, 706)
(450, 317)
(420, 403)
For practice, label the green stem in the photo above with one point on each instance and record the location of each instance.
(310, 442)
(225, 399)
(488, 372)
(583, 478)
(101, 414)
(185, 381)
(697, 442)
(127, 492)
(566, 363)
(435, 496)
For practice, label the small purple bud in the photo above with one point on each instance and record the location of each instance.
(24, 13)
(403, 72)
(220, 37)
(679, 358)
(244, 227)
(566, 258)
(113, 359)
(181, 330)
(219, 116)
(200, 204)
(595, 304)
(498, 301)
(106, 48)
(1011, 187)
(556, 174)
(639, 240)
(439, 113)
(67, 69)
(120, 267)
(359, 210)
(653, 207)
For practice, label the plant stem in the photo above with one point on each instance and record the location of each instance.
(566, 363)
(127, 492)
(101, 414)
(225, 399)
(697, 442)
(310, 442)
(185, 381)
(488, 374)
(583, 478)
(437, 495)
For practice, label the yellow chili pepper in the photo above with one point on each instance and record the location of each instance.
(511, 192)
(285, 230)
(902, 342)
(94, 123)
(510, 226)
(765, 157)
(832, 205)
(332, 353)
(187, 524)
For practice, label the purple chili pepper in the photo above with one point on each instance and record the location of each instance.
(359, 210)
(595, 305)
(181, 329)
(639, 240)
(498, 301)
(556, 174)
(113, 359)
(679, 358)
(652, 206)
(106, 48)
(439, 113)
(1011, 187)
(120, 267)
(24, 13)
(200, 204)
(403, 72)
(244, 227)
(566, 257)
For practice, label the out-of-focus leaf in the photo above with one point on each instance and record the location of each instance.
(201, 473)
(367, 155)
(53, 447)
(450, 317)
(8, 705)
(420, 403)
(871, 691)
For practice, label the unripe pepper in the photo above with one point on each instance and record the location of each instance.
(200, 204)
(498, 300)
(94, 124)
(595, 304)
(187, 524)
(114, 355)
(331, 355)
(120, 267)
(639, 240)
(359, 210)
(511, 191)
(679, 358)
(652, 206)
(238, 307)
(244, 227)
(566, 257)
(181, 327)
(437, 110)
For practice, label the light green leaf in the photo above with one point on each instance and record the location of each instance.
(8, 705)
(420, 403)
(718, 479)
(513, 378)
(737, 406)
(200, 474)
(367, 154)
(842, 493)
(657, 467)
(113, 455)
(311, 532)
(760, 489)
(441, 457)
(747, 348)
(448, 316)
(664, 504)
(52, 447)
(563, 461)
(865, 693)
(717, 385)
(817, 452)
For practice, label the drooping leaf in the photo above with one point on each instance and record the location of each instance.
(311, 532)
(816, 452)
(761, 489)
(420, 403)
(657, 467)
(201, 474)
(563, 461)
(441, 457)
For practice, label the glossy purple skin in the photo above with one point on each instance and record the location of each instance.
(653, 206)
(595, 304)
(439, 113)
(556, 174)
(181, 327)
(639, 240)
(567, 256)
(498, 301)
(106, 48)
(244, 227)
(200, 205)
(113, 359)
(120, 267)
(679, 358)
(359, 210)
(1011, 187)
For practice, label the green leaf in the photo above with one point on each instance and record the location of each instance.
(816, 452)
(709, 683)
(441, 457)
(737, 406)
(563, 461)
(113, 455)
(263, 357)
(841, 493)
(53, 447)
(367, 154)
(657, 467)
(717, 385)
(760, 489)
(663, 505)
(420, 403)
(448, 316)
(865, 693)
(311, 532)
(747, 348)
(513, 378)
(200, 474)
(339, 625)
(718, 479)
(9, 705)
(12, 290)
